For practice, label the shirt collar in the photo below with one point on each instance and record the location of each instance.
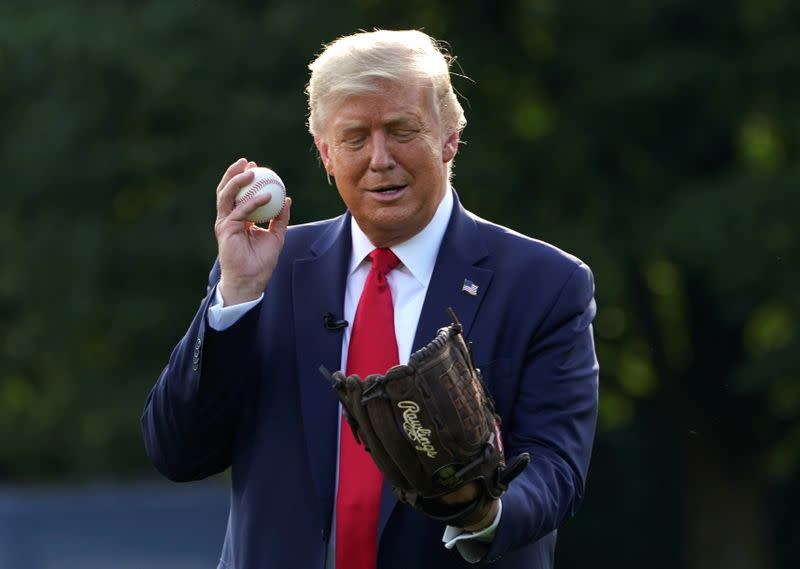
(418, 254)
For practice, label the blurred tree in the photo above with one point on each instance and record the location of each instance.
(665, 132)
(657, 140)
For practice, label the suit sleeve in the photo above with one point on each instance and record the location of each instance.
(191, 414)
(553, 418)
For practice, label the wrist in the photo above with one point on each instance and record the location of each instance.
(486, 519)
(236, 293)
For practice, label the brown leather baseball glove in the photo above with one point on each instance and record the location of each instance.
(431, 428)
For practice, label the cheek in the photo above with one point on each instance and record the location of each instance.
(429, 152)
(347, 164)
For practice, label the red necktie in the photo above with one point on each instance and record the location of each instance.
(373, 349)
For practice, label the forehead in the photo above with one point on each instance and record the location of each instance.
(388, 104)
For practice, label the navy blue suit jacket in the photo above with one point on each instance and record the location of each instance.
(252, 398)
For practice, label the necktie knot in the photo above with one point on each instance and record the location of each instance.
(383, 260)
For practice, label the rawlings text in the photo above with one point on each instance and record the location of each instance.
(414, 429)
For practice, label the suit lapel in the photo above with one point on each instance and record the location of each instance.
(462, 248)
(318, 283)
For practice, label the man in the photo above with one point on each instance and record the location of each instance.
(242, 388)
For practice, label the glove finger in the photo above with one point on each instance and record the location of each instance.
(461, 402)
(370, 436)
(398, 449)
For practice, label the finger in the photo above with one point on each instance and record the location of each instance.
(243, 211)
(227, 196)
(235, 168)
(280, 222)
(251, 165)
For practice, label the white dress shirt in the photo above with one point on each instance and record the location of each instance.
(408, 283)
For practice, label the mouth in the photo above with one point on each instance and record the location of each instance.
(387, 191)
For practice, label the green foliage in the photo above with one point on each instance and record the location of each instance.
(657, 140)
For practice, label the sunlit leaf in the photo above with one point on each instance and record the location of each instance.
(769, 328)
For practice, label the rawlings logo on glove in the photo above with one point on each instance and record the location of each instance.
(414, 429)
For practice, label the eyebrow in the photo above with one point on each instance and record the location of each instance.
(399, 120)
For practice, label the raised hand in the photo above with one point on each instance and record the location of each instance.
(248, 253)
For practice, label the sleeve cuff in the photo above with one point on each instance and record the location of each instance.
(221, 317)
(472, 545)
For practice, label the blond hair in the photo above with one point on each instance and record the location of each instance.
(359, 63)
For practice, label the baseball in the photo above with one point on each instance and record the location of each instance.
(264, 180)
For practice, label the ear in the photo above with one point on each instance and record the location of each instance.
(324, 154)
(450, 146)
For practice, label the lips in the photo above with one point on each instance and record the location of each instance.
(387, 194)
(387, 189)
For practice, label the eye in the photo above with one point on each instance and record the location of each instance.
(354, 141)
(404, 134)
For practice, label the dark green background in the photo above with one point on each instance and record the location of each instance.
(656, 140)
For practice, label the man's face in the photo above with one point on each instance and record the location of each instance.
(388, 154)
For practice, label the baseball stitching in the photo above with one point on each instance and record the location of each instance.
(260, 184)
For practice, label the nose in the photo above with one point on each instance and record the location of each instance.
(381, 157)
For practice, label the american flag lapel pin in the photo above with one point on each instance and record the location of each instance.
(469, 287)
